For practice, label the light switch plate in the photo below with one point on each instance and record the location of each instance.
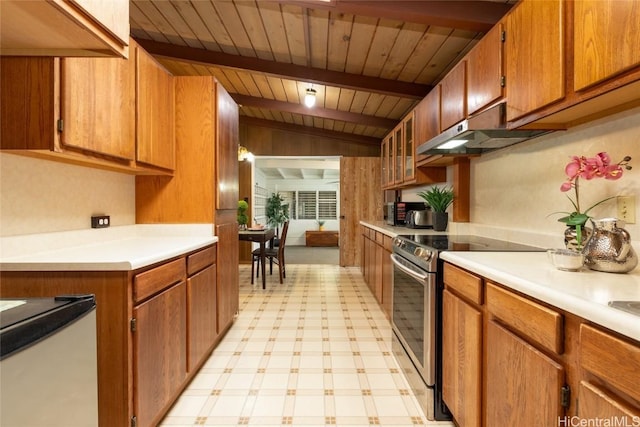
(627, 208)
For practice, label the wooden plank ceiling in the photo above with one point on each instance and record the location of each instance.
(370, 62)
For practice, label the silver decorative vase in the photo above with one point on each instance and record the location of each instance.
(571, 237)
(609, 248)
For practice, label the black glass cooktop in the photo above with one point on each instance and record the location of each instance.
(468, 243)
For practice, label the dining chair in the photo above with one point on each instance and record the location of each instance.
(273, 255)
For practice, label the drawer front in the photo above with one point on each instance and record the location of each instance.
(464, 283)
(598, 403)
(542, 325)
(379, 238)
(153, 281)
(201, 259)
(613, 359)
(388, 243)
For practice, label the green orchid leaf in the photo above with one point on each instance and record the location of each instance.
(574, 219)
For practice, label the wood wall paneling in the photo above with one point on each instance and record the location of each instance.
(360, 199)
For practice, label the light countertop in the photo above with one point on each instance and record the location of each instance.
(585, 293)
(112, 249)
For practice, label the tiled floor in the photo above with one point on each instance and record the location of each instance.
(315, 351)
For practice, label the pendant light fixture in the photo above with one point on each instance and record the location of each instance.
(310, 97)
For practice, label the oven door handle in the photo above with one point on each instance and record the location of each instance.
(415, 273)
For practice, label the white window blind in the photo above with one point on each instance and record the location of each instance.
(306, 205)
(327, 205)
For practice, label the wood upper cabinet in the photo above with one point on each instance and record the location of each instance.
(384, 162)
(484, 71)
(388, 160)
(64, 28)
(523, 383)
(398, 148)
(604, 34)
(204, 168)
(227, 139)
(408, 149)
(427, 117)
(97, 106)
(534, 56)
(453, 96)
(155, 116)
(79, 109)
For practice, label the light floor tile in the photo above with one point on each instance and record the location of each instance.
(313, 351)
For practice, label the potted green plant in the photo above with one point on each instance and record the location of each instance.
(242, 213)
(320, 225)
(276, 211)
(439, 199)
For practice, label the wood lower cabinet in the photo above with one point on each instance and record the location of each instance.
(376, 267)
(523, 384)
(462, 359)
(610, 373)
(155, 327)
(387, 277)
(507, 359)
(202, 301)
(159, 353)
(462, 321)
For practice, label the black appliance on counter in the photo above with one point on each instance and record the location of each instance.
(417, 308)
(396, 212)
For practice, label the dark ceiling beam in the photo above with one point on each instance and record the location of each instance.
(287, 71)
(464, 15)
(325, 113)
(342, 136)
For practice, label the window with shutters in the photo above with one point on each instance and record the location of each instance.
(327, 205)
(307, 204)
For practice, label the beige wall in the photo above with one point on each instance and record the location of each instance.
(38, 196)
(518, 187)
(515, 188)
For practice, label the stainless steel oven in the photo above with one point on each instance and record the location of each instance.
(417, 309)
(414, 321)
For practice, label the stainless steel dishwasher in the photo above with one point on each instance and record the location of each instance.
(48, 362)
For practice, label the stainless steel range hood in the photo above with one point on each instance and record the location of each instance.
(483, 132)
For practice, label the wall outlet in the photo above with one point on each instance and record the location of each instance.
(100, 221)
(627, 208)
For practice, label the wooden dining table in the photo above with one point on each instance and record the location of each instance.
(261, 237)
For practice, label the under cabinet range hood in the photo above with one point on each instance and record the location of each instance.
(483, 132)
